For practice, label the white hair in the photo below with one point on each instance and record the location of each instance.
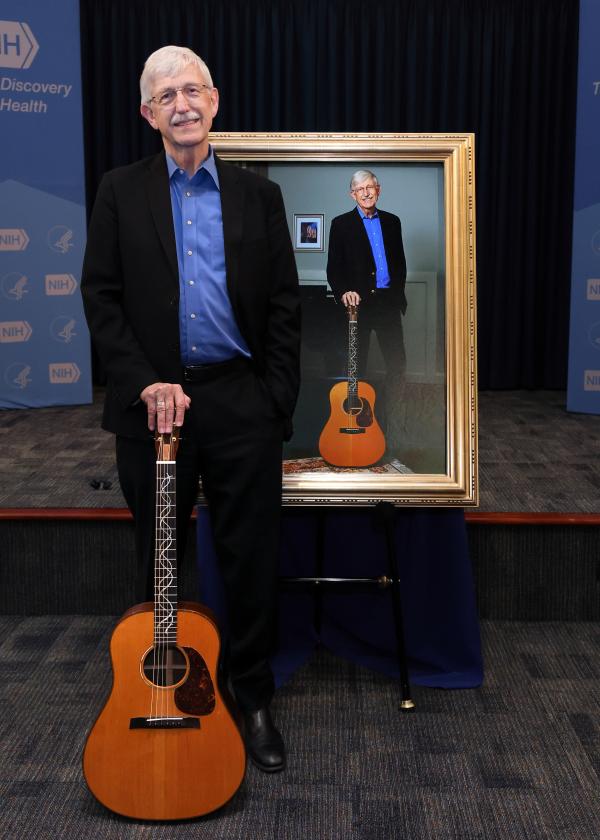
(361, 175)
(169, 61)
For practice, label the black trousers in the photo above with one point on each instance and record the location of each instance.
(382, 314)
(232, 438)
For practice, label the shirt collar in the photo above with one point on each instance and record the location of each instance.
(364, 215)
(209, 164)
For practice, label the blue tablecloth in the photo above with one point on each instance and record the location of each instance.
(440, 617)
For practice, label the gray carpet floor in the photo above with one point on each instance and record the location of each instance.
(516, 759)
(534, 456)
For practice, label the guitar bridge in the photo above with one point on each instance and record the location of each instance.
(346, 430)
(164, 723)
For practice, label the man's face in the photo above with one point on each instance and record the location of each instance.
(366, 194)
(183, 123)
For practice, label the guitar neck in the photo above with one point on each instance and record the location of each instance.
(352, 350)
(165, 555)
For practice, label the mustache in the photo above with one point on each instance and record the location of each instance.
(189, 115)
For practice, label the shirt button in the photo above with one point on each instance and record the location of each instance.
(190, 282)
(188, 193)
(189, 221)
(194, 348)
(189, 253)
(193, 315)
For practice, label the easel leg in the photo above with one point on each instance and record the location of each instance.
(385, 515)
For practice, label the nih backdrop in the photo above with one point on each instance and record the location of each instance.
(44, 342)
(584, 335)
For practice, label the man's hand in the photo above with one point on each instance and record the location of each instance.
(166, 406)
(350, 299)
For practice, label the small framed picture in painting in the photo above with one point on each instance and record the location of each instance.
(308, 232)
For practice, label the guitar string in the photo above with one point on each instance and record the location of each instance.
(162, 583)
(161, 596)
(165, 614)
(168, 582)
(172, 592)
(158, 647)
(155, 613)
(351, 370)
(349, 367)
(155, 640)
(157, 588)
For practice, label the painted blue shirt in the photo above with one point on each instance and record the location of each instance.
(207, 326)
(373, 228)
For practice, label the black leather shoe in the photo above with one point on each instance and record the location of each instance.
(263, 742)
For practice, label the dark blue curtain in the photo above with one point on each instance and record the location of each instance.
(504, 69)
(441, 627)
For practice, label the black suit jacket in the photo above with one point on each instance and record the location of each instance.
(350, 261)
(130, 285)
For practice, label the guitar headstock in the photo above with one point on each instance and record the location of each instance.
(166, 444)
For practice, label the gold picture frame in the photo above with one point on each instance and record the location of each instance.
(448, 161)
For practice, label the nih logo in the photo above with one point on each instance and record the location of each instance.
(63, 373)
(593, 289)
(14, 331)
(13, 239)
(60, 284)
(591, 380)
(18, 46)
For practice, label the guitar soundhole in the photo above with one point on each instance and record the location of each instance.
(353, 404)
(165, 666)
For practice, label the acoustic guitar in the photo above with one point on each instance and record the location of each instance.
(352, 437)
(165, 746)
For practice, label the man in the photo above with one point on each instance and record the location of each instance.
(366, 268)
(191, 294)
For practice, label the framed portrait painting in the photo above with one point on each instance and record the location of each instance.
(387, 408)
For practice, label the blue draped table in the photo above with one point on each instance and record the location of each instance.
(441, 626)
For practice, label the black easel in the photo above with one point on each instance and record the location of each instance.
(384, 521)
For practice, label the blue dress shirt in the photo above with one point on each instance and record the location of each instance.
(207, 326)
(373, 227)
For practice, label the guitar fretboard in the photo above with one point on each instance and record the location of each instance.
(165, 556)
(352, 357)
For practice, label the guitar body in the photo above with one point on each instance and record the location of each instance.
(162, 769)
(352, 437)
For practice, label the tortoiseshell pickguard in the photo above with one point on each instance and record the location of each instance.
(197, 694)
(365, 418)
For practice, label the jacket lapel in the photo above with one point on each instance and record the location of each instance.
(232, 209)
(385, 220)
(159, 199)
(362, 237)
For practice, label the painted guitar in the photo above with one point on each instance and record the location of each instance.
(352, 437)
(165, 746)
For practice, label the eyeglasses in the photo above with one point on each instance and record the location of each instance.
(167, 97)
(365, 190)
